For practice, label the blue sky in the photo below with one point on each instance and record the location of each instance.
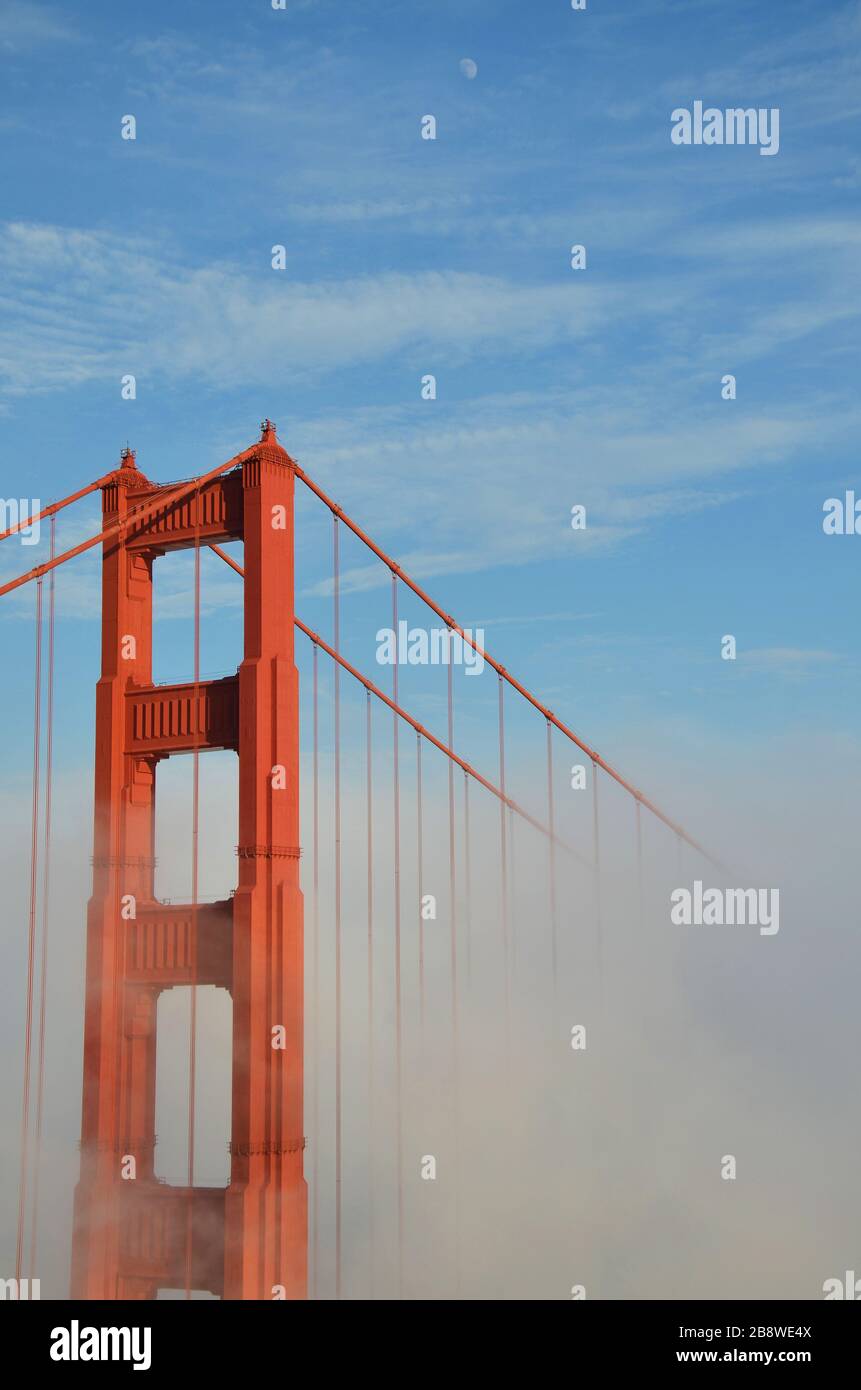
(451, 257)
(601, 387)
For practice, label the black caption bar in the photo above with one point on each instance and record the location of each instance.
(165, 1337)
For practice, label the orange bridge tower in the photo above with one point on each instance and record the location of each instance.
(133, 1234)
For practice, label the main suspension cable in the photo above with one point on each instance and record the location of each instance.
(54, 507)
(414, 724)
(165, 497)
(500, 670)
(437, 742)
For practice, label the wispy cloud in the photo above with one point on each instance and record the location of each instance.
(88, 305)
(24, 26)
(83, 305)
(528, 462)
(794, 663)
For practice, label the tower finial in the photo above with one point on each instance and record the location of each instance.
(267, 433)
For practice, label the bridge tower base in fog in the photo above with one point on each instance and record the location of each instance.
(133, 1234)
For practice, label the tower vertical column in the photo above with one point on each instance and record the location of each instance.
(133, 1237)
(122, 869)
(266, 1202)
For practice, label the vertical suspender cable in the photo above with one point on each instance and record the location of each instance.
(455, 1060)
(397, 887)
(551, 846)
(452, 879)
(337, 676)
(512, 917)
(420, 871)
(597, 847)
(467, 876)
(315, 981)
(31, 937)
(454, 976)
(420, 862)
(467, 873)
(504, 863)
(195, 861)
(639, 863)
(371, 1135)
(46, 886)
(600, 1124)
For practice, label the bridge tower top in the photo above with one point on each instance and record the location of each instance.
(132, 1238)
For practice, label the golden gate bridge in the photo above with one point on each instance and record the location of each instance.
(135, 1234)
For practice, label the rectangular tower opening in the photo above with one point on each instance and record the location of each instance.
(212, 1086)
(221, 611)
(218, 799)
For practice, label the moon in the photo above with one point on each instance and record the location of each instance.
(468, 68)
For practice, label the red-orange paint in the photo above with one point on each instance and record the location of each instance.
(248, 1240)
